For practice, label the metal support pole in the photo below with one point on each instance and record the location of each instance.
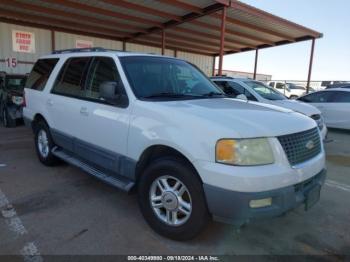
(163, 42)
(222, 39)
(213, 68)
(175, 53)
(53, 46)
(124, 46)
(310, 65)
(256, 62)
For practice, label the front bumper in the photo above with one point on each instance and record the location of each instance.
(233, 207)
(15, 112)
(324, 132)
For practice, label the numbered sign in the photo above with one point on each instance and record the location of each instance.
(11, 62)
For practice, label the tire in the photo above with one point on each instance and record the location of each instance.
(44, 144)
(7, 120)
(293, 97)
(173, 170)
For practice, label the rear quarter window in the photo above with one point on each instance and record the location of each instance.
(40, 73)
(341, 97)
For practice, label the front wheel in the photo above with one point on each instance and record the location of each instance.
(293, 97)
(44, 144)
(172, 200)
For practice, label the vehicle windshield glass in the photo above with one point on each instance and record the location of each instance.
(15, 83)
(265, 91)
(158, 77)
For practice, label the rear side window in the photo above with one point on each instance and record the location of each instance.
(71, 79)
(341, 97)
(40, 73)
(319, 97)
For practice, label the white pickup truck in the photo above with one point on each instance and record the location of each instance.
(159, 125)
(290, 90)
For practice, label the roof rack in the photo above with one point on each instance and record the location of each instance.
(87, 49)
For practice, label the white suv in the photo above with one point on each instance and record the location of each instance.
(159, 125)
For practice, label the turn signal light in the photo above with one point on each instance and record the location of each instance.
(260, 202)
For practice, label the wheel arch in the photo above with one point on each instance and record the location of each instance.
(160, 151)
(38, 118)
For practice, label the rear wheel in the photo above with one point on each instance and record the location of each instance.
(293, 97)
(44, 144)
(171, 199)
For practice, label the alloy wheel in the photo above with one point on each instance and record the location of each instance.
(170, 200)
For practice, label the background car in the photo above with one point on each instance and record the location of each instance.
(290, 90)
(342, 85)
(11, 98)
(325, 84)
(258, 91)
(334, 104)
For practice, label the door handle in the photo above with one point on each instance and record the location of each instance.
(84, 111)
(49, 102)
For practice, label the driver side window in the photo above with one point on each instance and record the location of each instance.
(240, 90)
(224, 86)
(103, 69)
(279, 85)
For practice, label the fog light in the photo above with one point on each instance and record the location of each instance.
(260, 202)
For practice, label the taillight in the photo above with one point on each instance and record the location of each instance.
(24, 104)
(17, 100)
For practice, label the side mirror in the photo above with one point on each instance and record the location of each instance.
(113, 93)
(242, 97)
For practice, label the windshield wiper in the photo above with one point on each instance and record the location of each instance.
(212, 94)
(166, 94)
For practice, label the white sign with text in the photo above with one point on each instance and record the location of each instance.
(23, 42)
(80, 43)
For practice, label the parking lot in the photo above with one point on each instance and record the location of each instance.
(62, 210)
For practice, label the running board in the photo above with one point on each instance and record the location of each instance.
(121, 183)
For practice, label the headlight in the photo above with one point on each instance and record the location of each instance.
(319, 120)
(244, 152)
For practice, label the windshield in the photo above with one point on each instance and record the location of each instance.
(155, 77)
(265, 91)
(15, 83)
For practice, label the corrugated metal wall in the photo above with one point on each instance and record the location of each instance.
(67, 40)
(147, 49)
(205, 63)
(42, 46)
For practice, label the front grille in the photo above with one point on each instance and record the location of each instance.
(302, 146)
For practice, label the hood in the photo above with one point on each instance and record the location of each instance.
(225, 117)
(297, 106)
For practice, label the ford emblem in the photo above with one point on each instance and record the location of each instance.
(310, 145)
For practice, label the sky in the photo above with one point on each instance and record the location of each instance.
(290, 62)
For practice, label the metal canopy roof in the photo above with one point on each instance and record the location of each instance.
(189, 25)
